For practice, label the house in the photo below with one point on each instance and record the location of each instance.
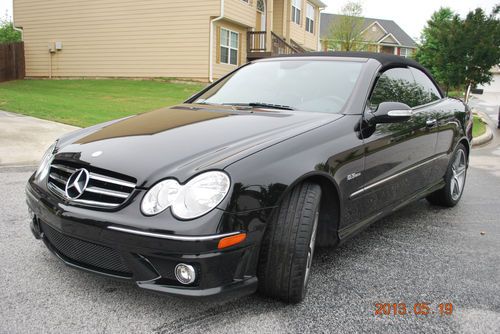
(195, 40)
(378, 36)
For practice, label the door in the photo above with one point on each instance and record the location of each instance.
(398, 156)
(261, 15)
(260, 23)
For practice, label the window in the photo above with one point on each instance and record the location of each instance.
(405, 85)
(428, 91)
(310, 18)
(394, 85)
(307, 85)
(296, 10)
(228, 47)
(261, 7)
(404, 52)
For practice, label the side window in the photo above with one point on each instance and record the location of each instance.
(428, 91)
(394, 85)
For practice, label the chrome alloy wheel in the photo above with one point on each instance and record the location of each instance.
(310, 251)
(458, 169)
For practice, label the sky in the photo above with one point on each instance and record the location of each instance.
(411, 15)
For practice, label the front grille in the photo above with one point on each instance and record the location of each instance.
(105, 189)
(86, 254)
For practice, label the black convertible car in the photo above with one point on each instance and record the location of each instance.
(231, 191)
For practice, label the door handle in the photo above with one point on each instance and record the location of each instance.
(431, 122)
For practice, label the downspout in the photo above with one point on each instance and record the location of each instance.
(20, 30)
(14, 24)
(318, 47)
(211, 47)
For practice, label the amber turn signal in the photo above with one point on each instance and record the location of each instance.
(231, 241)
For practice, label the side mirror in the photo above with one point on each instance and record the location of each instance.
(390, 112)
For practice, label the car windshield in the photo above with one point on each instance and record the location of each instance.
(306, 85)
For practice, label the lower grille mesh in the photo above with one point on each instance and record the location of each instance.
(86, 254)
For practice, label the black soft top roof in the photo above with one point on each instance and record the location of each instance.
(386, 60)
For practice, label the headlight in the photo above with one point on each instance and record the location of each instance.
(194, 199)
(43, 169)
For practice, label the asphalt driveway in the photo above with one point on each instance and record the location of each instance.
(420, 254)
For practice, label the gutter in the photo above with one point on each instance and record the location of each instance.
(211, 47)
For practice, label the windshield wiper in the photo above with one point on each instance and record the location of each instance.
(261, 105)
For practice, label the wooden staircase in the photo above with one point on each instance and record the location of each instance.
(257, 48)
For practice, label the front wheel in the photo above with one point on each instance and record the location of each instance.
(288, 245)
(454, 180)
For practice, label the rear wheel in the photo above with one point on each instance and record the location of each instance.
(454, 178)
(288, 245)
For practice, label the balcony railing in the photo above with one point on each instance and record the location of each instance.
(257, 43)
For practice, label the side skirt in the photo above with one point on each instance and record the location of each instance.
(349, 231)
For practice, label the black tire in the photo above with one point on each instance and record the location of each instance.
(445, 196)
(284, 259)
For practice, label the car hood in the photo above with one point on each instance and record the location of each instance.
(183, 140)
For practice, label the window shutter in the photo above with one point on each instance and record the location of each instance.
(217, 43)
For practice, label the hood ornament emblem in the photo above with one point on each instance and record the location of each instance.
(77, 183)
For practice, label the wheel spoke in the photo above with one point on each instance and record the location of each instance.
(456, 163)
(460, 172)
(454, 187)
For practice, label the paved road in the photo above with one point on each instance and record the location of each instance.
(420, 254)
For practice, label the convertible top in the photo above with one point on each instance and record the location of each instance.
(386, 60)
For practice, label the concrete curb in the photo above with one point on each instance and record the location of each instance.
(485, 137)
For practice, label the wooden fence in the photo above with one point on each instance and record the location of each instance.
(12, 61)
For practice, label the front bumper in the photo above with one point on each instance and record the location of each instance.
(149, 261)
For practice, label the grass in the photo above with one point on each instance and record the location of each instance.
(456, 93)
(88, 102)
(479, 127)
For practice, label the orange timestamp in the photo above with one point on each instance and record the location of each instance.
(416, 309)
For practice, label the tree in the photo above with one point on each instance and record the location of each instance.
(345, 32)
(460, 52)
(7, 32)
(481, 42)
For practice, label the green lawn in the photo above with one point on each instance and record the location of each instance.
(479, 127)
(87, 102)
(456, 93)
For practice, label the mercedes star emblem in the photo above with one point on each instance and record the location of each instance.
(77, 183)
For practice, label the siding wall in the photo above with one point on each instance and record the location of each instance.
(278, 17)
(241, 11)
(298, 32)
(125, 38)
(373, 33)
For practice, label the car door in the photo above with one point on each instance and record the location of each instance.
(432, 105)
(396, 153)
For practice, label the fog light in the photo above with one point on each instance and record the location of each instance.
(185, 273)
